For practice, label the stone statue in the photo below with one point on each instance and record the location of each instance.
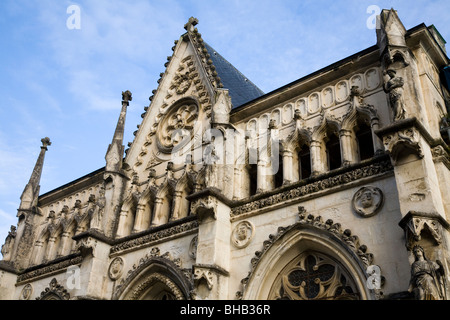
(394, 86)
(9, 243)
(427, 277)
(98, 210)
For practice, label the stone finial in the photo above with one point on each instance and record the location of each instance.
(192, 22)
(126, 97)
(46, 142)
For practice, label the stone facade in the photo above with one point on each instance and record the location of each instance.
(333, 187)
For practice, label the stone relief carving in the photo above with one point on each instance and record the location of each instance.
(407, 138)
(177, 127)
(26, 292)
(427, 277)
(116, 268)
(367, 201)
(193, 248)
(242, 234)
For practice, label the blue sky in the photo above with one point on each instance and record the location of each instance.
(67, 83)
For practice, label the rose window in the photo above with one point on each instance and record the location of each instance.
(176, 129)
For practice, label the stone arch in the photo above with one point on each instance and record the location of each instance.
(309, 234)
(155, 277)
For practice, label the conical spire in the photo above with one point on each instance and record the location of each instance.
(115, 151)
(30, 194)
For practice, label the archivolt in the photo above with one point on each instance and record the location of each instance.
(308, 233)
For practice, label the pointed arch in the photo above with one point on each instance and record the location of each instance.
(310, 236)
(155, 278)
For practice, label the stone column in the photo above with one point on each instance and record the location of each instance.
(348, 151)
(317, 159)
(65, 239)
(377, 143)
(288, 174)
(176, 205)
(139, 221)
(50, 249)
(122, 222)
(211, 270)
(157, 212)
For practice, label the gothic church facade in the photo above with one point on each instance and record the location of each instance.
(335, 186)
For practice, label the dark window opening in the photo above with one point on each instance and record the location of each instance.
(253, 176)
(334, 152)
(304, 157)
(278, 173)
(365, 142)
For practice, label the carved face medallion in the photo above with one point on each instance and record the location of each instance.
(367, 201)
(116, 268)
(177, 127)
(242, 234)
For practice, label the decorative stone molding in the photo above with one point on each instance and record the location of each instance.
(54, 291)
(159, 234)
(204, 207)
(156, 277)
(242, 234)
(396, 142)
(116, 268)
(170, 264)
(315, 222)
(415, 223)
(316, 186)
(47, 269)
(367, 201)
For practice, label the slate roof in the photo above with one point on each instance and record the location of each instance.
(240, 88)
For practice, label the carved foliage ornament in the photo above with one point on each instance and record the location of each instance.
(367, 201)
(54, 291)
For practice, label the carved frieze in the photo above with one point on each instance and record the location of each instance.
(155, 236)
(316, 186)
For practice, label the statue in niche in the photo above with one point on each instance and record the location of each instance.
(9, 243)
(427, 277)
(394, 86)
